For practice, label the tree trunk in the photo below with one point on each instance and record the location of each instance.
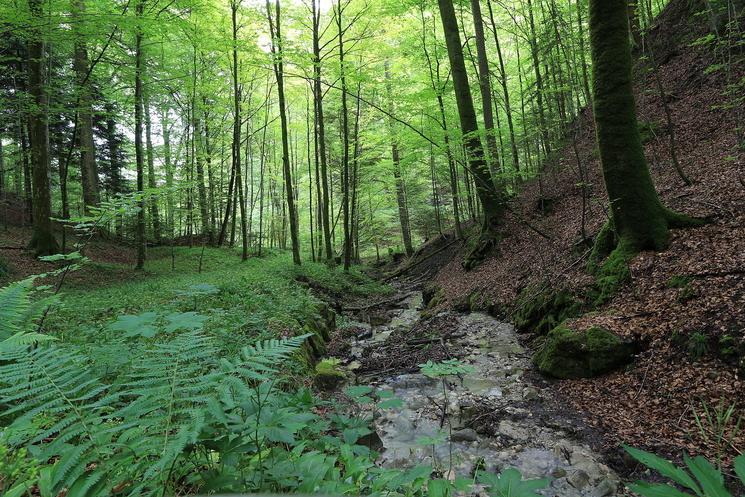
(345, 141)
(485, 86)
(88, 169)
(237, 132)
(639, 219)
(403, 211)
(151, 183)
(277, 51)
(42, 240)
(139, 160)
(320, 127)
(505, 92)
(491, 199)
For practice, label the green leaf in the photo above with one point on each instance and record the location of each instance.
(391, 404)
(740, 468)
(712, 481)
(438, 488)
(19, 489)
(190, 321)
(358, 391)
(136, 325)
(656, 490)
(664, 467)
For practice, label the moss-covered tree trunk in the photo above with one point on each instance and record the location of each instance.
(640, 221)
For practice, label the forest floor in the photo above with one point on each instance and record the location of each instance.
(686, 304)
(264, 297)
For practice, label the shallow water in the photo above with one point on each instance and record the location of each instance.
(418, 432)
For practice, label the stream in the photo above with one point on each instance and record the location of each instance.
(495, 419)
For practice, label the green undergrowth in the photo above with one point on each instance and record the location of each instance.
(255, 299)
(160, 404)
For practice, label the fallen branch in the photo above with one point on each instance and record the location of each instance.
(392, 300)
(408, 267)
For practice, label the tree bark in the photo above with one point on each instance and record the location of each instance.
(403, 211)
(492, 201)
(277, 51)
(320, 127)
(88, 168)
(42, 239)
(139, 159)
(485, 85)
(639, 218)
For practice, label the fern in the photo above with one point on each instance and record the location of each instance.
(17, 311)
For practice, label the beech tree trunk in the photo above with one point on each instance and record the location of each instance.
(321, 131)
(485, 85)
(492, 202)
(42, 240)
(139, 159)
(277, 47)
(640, 221)
(88, 168)
(403, 211)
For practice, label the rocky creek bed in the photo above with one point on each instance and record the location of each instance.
(497, 415)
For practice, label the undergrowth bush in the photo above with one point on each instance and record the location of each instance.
(161, 405)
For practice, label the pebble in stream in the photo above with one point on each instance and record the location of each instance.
(520, 441)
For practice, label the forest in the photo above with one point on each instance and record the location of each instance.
(372, 247)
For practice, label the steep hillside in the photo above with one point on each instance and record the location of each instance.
(685, 307)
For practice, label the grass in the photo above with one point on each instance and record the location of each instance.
(256, 299)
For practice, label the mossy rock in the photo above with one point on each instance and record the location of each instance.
(319, 327)
(567, 353)
(432, 295)
(539, 311)
(328, 375)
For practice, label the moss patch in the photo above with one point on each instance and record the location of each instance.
(571, 354)
(539, 311)
(328, 375)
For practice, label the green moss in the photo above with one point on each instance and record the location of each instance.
(647, 131)
(613, 274)
(605, 241)
(566, 353)
(540, 310)
(678, 281)
(328, 375)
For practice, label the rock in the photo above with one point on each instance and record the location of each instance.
(558, 473)
(530, 393)
(570, 354)
(513, 431)
(328, 375)
(372, 441)
(579, 479)
(464, 435)
(364, 334)
(605, 488)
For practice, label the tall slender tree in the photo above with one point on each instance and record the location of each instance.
(492, 201)
(277, 55)
(42, 240)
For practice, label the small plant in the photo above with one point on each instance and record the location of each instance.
(701, 477)
(698, 345)
(678, 281)
(718, 426)
(510, 483)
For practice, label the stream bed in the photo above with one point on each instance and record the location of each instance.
(492, 419)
